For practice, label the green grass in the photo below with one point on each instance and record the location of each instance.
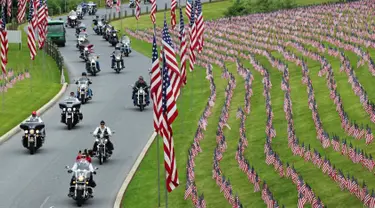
(29, 94)
(144, 183)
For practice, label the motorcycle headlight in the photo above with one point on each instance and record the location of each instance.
(97, 140)
(26, 131)
(80, 178)
(118, 57)
(64, 109)
(114, 34)
(74, 109)
(86, 49)
(106, 140)
(37, 131)
(32, 131)
(69, 109)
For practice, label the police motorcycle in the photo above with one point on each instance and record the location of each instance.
(113, 38)
(125, 45)
(80, 28)
(83, 90)
(81, 182)
(92, 8)
(32, 139)
(82, 37)
(98, 26)
(140, 97)
(70, 114)
(79, 12)
(102, 152)
(72, 20)
(107, 31)
(91, 66)
(117, 55)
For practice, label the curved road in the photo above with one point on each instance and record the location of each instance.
(40, 180)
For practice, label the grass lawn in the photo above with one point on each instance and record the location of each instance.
(193, 101)
(29, 94)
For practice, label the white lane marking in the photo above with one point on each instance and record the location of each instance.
(44, 202)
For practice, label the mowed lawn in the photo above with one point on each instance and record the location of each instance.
(29, 94)
(191, 106)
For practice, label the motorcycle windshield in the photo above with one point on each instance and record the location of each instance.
(117, 54)
(31, 124)
(73, 17)
(125, 40)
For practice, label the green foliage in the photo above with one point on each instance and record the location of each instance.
(244, 7)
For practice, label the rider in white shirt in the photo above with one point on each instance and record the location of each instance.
(103, 131)
(82, 159)
(37, 119)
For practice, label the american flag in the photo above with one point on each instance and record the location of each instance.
(169, 113)
(21, 4)
(109, 3)
(156, 86)
(171, 61)
(42, 23)
(183, 49)
(192, 39)
(137, 9)
(9, 8)
(153, 11)
(4, 43)
(118, 6)
(173, 13)
(31, 30)
(199, 27)
(188, 8)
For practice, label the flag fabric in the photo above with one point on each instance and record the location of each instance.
(31, 30)
(4, 43)
(42, 23)
(171, 61)
(199, 27)
(137, 9)
(169, 113)
(109, 3)
(153, 11)
(3, 3)
(173, 13)
(156, 86)
(21, 4)
(192, 33)
(118, 6)
(9, 8)
(188, 8)
(183, 49)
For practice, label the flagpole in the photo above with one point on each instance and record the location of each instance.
(165, 172)
(157, 147)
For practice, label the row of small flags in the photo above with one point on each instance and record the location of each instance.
(191, 190)
(11, 79)
(167, 78)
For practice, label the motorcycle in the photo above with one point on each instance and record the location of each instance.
(140, 95)
(82, 37)
(80, 28)
(98, 26)
(125, 45)
(91, 66)
(102, 152)
(72, 21)
(83, 90)
(107, 31)
(92, 8)
(87, 50)
(79, 12)
(81, 180)
(113, 38)
(118, 61)
(32, 139)
(70, 112)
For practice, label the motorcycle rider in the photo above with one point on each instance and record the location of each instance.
(91, 184)
(114, 59)
(72, 96)
(140, 83)
(85, 77)
(71, 13)
(106, 132)
(35, 118)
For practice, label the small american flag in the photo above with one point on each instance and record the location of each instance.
(9, 8)
(188, 8)
(21, 4)
(153, 11)
(138, 9)
(193, 32)
(199, 27)
(42, 23)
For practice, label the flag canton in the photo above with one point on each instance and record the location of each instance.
(182, 25)
(199, 7)
(154, 51)
(166, 83)
(31, 11)
(192, 19)
(166, 36)
(3, 20)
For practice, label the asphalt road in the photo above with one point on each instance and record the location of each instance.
(41, 180)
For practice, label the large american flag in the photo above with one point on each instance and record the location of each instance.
(31, 29)
(21, 4)
(156, 94)
(153, 11)
(169, 113)
(183, 48)
(118, 6)
(109, 3)
(137, 9)
(4, 43)
(199, 27)
(42, 23)
(9, 8)
(188, 8)
(171, 61)
(193, 35)
(173, 13)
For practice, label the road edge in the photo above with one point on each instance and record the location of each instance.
(132, 171)
(40, 111)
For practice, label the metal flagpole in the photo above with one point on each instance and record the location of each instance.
(165, 172)
(157, 148)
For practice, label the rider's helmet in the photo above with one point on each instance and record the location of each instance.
(117, 47)
(84, 74)
(102, 123)
(33, 114)
(140, 79)
(72, 94)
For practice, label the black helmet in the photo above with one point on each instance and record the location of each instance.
(84, 74)
(71, 93)
(102, 122)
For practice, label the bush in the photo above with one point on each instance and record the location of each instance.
(244, 7)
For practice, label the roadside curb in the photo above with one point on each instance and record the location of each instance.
(132, 171)
(43, 109)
